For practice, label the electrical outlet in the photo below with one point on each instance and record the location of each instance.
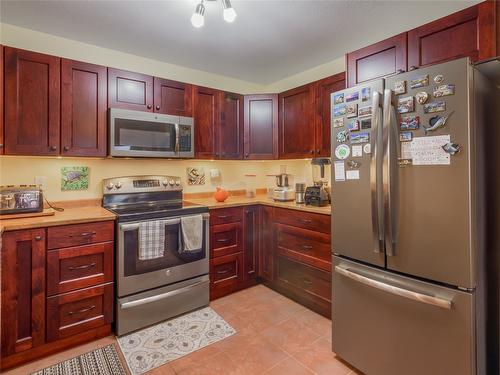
(41, 181)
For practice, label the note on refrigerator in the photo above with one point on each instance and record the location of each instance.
(339, 168)
(426, 150)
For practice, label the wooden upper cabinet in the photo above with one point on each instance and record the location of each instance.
(470, 32)
(377, 60)
(32, 103)
(83, 109)
(296, 125)
(231, 126)
(206, 121)
(260, 140)
(23, 290)
(173, 98)
(129, 90)
(324, 88)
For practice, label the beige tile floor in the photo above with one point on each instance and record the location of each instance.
(274, 336)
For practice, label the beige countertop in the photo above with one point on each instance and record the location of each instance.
(70, 215)
(241, 200)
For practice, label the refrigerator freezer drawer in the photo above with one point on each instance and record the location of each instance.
(385, 324)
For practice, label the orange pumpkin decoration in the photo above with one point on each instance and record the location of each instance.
(221, 194)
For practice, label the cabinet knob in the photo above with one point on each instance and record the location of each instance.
(413, 67)
(318, 151)
(312, 151)
(66, 148)
(399, 71)
(53, 148)
(149, 106)
(1, 145)
(157, 107)
(247, 155)
(38, 238)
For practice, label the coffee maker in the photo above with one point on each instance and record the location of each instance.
(319, 194)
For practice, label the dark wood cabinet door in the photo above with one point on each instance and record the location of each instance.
(251, 241)
(129, 90)
(231, 126)
(206, 122)
(470, 32)
(267, 243)
(23, 290)
(296, 125)
(226, 274)
(226, 239)
(32, 103)
(1, 101)
(83, 109)
(173, 98)
(324, 88)
(260, 140)
(377, 60)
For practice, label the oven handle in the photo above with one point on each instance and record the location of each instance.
(159, 297)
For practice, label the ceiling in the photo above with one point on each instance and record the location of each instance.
(270, 40)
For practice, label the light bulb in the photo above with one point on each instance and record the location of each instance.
(229, 14)
(197, 19)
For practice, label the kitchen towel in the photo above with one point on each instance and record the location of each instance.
(191, 233)
(151, 239)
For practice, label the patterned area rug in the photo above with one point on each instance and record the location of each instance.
(154, 346)
(102, 361)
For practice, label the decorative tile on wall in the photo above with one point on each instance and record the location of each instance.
(74, 178)
(195, 176)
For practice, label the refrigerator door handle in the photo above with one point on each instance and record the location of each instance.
(375, 168)
(415, 296)
(389, 178)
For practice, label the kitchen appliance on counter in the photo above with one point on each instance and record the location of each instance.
(148, 134)
(20, 199)
(409, 265)
(283, 192)
(158, 275)
(319, 194)
(300, 192)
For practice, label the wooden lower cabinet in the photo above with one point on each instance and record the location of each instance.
(55, 298)
(307, 285)
(288, 250)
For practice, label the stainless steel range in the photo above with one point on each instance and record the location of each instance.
(162, 250)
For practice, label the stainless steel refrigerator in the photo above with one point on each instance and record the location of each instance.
(409, 290)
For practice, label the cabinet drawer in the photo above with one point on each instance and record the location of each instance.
(308, 281)
(80, 234)
(225, 239)
(76, 312)
(306, 220)
(79, 267)
(306, 246)
(226, 215)
(226, 274)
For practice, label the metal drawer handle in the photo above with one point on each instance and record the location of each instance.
(419, 297)
(223, 240)
(85, 266)
(222, 272)
(307, 281)
(224, 216)
(38, 238)
(84, 234)
(306, 247)
(81, 311)
(305, 221)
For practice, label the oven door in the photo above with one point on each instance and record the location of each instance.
(145, 134)
(136, 274)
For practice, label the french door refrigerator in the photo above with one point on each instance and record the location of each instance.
(406, 224)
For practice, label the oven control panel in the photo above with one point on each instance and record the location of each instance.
(141, 184)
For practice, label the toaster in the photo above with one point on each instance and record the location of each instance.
(20, 199)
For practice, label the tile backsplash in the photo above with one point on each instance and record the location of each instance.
(232, 174)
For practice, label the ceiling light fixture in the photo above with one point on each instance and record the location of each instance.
(228, 13)
(198, 17)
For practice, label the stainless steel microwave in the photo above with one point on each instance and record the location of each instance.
(147, 134)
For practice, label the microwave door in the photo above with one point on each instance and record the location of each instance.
(142, 134)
